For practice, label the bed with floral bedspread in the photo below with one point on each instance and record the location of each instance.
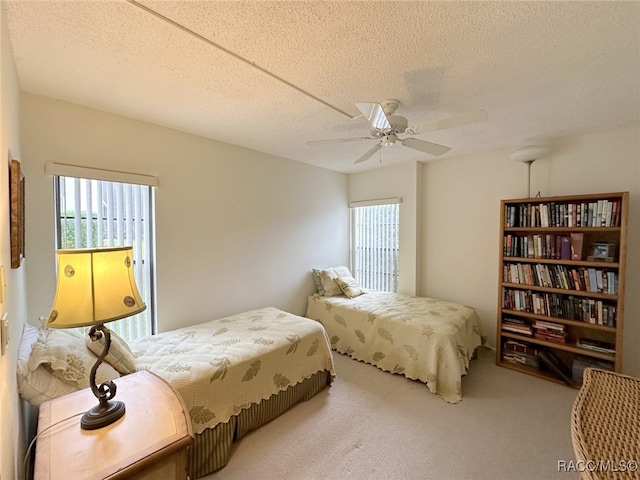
(226, 365)
(421, 338)
(234, 374)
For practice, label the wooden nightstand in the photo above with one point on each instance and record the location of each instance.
(151, 441)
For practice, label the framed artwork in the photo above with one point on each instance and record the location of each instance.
(603, 252)
(16, 192)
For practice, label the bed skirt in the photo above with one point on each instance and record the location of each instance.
(212, 448)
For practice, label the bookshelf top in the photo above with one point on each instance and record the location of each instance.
(568, 198)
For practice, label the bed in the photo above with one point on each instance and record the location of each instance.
(234, 374)
(421, 338)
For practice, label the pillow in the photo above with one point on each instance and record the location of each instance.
(349, 286)
(64, 353)
(120, 355)
(40, 385)
(328, 278)
(316, 281)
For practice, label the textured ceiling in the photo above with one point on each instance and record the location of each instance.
(272, 75)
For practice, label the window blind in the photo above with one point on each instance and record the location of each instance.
(375, 245)
(96, 213)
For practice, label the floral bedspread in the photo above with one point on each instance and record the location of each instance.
(223, 366)
(422, 338)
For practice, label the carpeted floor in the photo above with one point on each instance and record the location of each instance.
(374, 425)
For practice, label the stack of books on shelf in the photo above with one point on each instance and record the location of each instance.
(517, 325)
(552, 332)
(580, 363)
(520, 353)
(596, 346)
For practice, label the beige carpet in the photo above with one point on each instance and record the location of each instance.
(374, 425)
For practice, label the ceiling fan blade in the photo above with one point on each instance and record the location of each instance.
(338, 140)
(426, 147)
(374, 113)
(369, 153)
(456, 121)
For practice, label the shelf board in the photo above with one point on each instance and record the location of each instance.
(536, 373)
(580, 198)
(567, 347)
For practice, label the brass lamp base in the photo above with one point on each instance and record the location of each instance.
(103, 414)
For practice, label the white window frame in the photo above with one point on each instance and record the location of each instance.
(375, 266)
(129, 200)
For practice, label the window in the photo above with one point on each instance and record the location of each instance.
(98, 213)
(375, 228)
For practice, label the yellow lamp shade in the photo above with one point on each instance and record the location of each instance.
(94, 286)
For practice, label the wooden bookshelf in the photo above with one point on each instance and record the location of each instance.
(562, 284)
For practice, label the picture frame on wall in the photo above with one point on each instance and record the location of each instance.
(16, 193)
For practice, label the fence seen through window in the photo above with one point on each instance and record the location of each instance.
(375, 245)
(96, 213)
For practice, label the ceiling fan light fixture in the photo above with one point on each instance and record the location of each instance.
(386, 126)
(388, 140)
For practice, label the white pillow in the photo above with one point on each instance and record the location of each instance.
(349, 286)
(40, 384)
(65, 354)
(120, 355)
(328, 278)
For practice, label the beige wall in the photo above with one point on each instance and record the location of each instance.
(236, 229)
(461, 204)
(454, 208)
(400, 181)
(14, 304)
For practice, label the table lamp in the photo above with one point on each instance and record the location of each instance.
(95, 286)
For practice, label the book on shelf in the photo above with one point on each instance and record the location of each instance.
(551, 337)
(517, 325)
(580, 363)
(544, 325)
(596, 345)
(577, 241)
(549, 360)
(520, 354)
(565, 247)
(520, 347)
(525, 359)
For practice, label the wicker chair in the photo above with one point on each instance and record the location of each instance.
(605, 426)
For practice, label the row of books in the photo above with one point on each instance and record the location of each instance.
(600, 213)
(585, 279)
(522, 353)
(549, 331)
(551, 246)
(568, 307)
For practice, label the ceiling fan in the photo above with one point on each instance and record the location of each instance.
(386, 127)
